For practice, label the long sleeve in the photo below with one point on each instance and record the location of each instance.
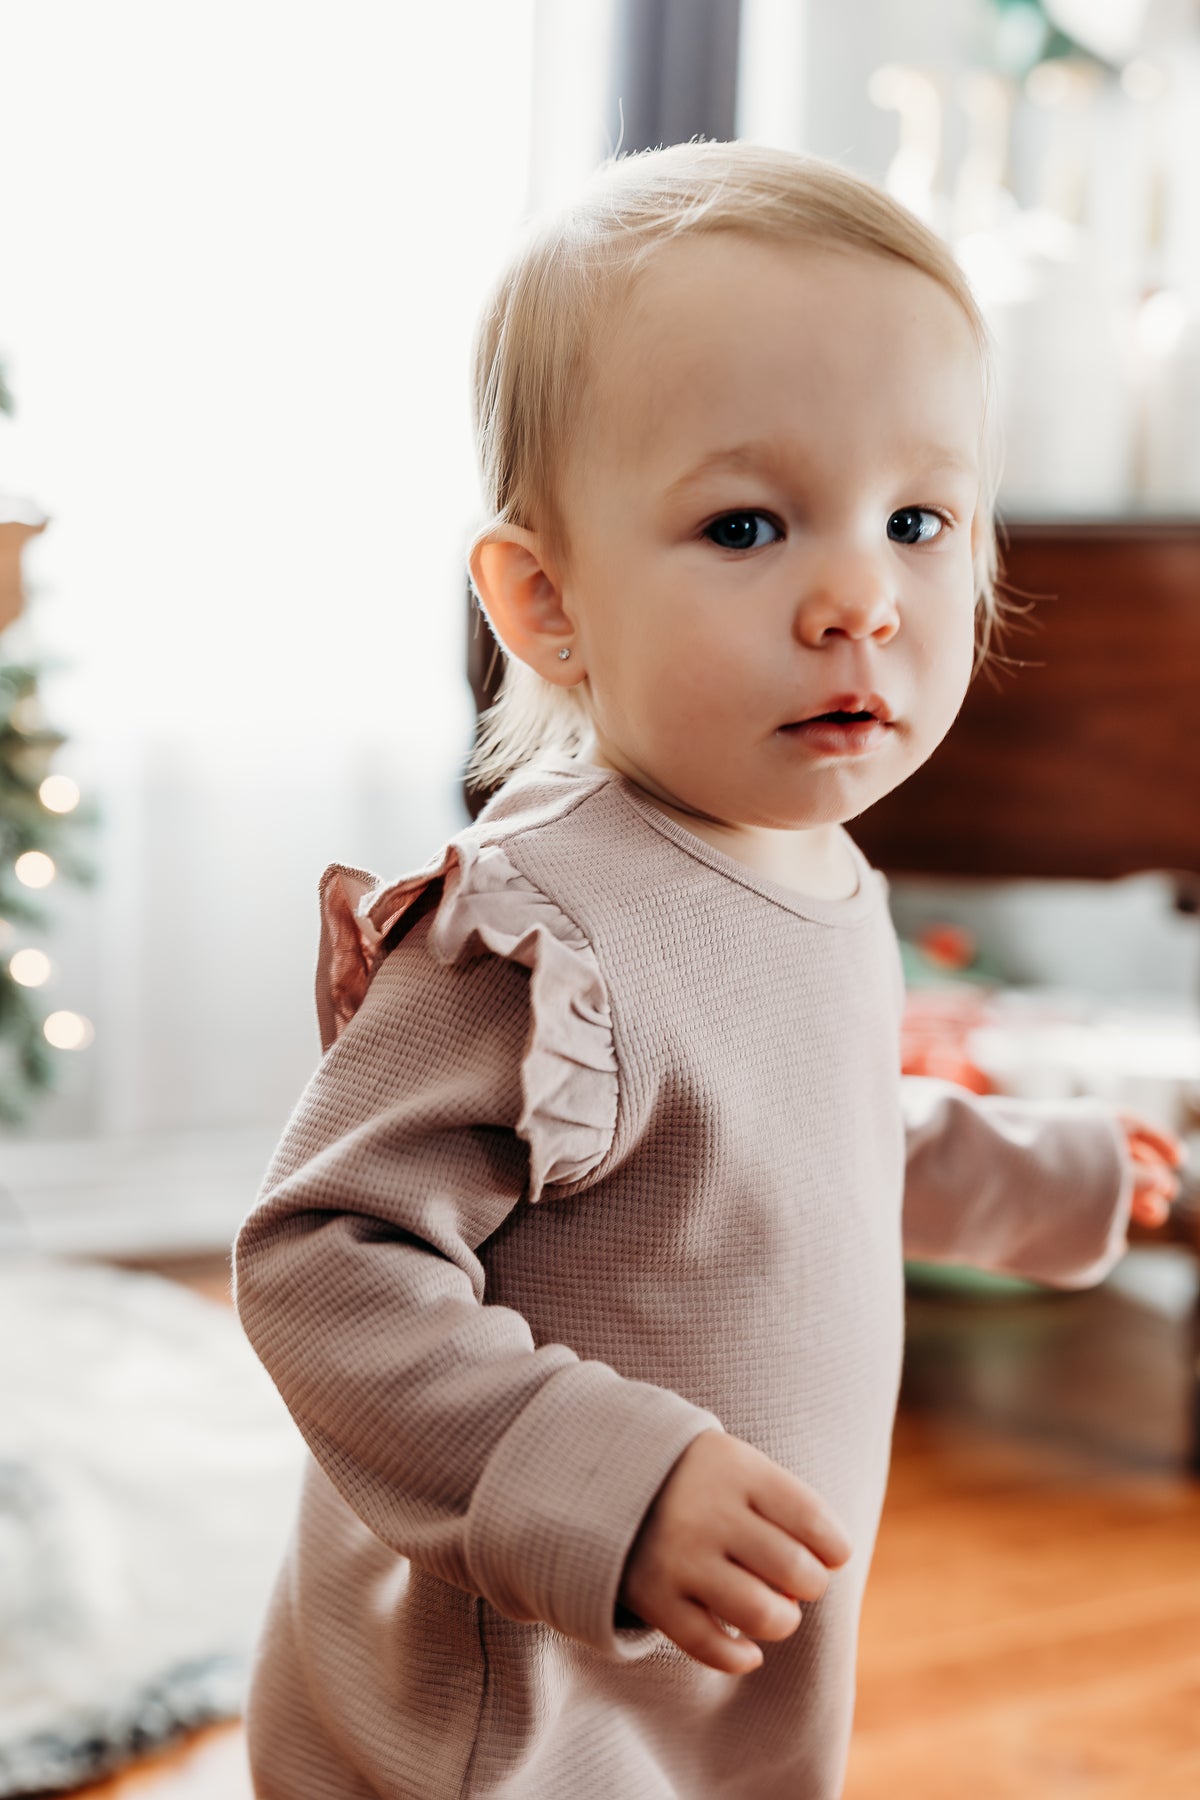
(1031, 1188)
(518, 1472)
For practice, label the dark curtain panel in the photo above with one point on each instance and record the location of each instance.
(674, 77)
(674, 72)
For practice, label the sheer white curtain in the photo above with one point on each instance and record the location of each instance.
(244, 245)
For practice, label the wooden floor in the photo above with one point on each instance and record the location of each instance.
(1032, 1626)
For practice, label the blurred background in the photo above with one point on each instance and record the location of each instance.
(243, 247)
(243, 253)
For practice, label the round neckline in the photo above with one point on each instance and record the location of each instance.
(848, 910)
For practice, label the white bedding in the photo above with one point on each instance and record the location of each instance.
(148, 1473)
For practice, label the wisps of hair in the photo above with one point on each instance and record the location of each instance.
(576, 266)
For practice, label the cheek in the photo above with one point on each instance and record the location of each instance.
(952, 675)
(946, 658)
(959, 648)
(710, 687)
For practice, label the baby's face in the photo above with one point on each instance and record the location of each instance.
(826, 568)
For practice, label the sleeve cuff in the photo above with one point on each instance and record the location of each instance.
(1106, 1225)
(555, 1513)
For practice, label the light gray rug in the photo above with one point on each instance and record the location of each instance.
(149, 1472)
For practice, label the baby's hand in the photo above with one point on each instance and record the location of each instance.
(1155, 1155)
(730, 1536)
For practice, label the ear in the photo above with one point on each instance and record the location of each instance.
(523, 602)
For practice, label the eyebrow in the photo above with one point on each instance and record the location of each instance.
(772, 457)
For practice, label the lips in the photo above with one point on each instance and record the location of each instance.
(845, 709)
(836, 736)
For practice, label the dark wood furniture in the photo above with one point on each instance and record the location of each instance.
(1079, 759)
(1082, 761)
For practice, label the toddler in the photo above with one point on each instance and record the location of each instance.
(580, 1261)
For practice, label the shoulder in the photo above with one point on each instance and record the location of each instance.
(484, 906)
(481, 897)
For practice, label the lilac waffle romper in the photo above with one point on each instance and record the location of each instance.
(608, 1146)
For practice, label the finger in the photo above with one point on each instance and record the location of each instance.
(1158, 1181)
(1163, 1143)
(1151, 1169)
(762, 1549)
(1149, 1209)
(1159, 1134)
(749, 1604)
(695, 1630)
(790, 1504)
(1146, 1156)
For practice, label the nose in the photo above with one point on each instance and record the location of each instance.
(851, 596)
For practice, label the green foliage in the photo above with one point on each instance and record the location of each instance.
(27, 1062)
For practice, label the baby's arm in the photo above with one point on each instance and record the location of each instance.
(516, 1472)
(1040, 1189)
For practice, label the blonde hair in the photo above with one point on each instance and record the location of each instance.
(576, 267)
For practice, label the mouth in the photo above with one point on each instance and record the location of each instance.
(847, 725)
(838, 716)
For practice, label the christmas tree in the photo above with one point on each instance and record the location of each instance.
(40, 820)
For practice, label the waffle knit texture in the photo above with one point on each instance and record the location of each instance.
(608, 1147)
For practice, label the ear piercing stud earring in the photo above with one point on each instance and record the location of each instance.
(563, 654)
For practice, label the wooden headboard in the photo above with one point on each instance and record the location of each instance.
(1082, 763)
(1085, 762)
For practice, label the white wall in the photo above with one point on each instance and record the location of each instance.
(244, 247)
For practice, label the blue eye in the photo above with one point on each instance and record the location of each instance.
(741, 532)
(914, 525)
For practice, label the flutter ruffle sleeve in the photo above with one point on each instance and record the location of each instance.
(485, 906)
(469, 1064)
